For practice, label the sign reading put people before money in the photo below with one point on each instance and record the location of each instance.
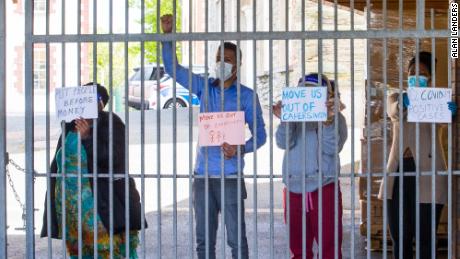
(76, 102)
(215, 128)
(429, 105)
(304, 104)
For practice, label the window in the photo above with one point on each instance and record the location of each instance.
(40, 7)
(39, 68)
(149, 73)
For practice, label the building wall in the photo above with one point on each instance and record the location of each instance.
(15, 44)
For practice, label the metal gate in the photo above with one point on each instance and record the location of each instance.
(153, 158)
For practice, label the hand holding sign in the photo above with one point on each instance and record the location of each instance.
(76, 102)
(83, 127)
(230, 150)
(304, 104)
(277, 109)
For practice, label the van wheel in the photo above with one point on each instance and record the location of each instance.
(179, 104)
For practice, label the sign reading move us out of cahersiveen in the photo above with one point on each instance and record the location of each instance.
(304, 104)
(429, 105)
(76, 102)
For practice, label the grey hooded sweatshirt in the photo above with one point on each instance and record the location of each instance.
(301, 153)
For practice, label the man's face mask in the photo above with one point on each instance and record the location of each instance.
(422, 81)
(227, 70)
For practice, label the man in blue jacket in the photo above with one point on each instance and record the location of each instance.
(209, 162)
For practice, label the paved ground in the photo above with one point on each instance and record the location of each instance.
(16, 248)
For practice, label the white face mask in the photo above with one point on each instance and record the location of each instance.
(227, 70)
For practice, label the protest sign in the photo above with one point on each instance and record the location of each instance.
(215, 128)
(304, 104)
(76, 102)
(429, 105)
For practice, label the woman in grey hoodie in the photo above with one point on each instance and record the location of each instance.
(302, 163)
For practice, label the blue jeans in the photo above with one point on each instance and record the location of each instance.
(214, 207)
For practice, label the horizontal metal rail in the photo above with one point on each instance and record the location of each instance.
(342, 175)
(260, 35)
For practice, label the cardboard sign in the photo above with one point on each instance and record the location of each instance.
(76, 102)
(304, 104)
(429, 105)
(215, 128)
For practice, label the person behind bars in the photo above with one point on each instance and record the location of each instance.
(302, 162)
(409, 153)
(208, 160)
(70, 166)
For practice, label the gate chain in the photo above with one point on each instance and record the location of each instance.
(10, 182)
(15, 193)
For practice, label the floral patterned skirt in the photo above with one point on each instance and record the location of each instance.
(87, 210)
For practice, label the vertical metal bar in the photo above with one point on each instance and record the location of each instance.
(287, 194)
(174, 111)
(79, 198)
(449, 164)
(255, 126)
(304, 148)
(190, 130)
(222, 107)
(158, 122)
(238, 107)
(222, 104)
(79, 189)
(420, 15)
(3, 161)
(126, 172)
(47, 118)
(385, 138)
(401, 142)
(417, 160)
(142, 148)
(320, 134)
(368, 127)
(270, 100)
(63, 138)
(111, 136)
(63, 178)
(95, 127)
(206, 164)
(433, 147)
(352, 73)
(337, 249)
(143, 132)
(29, 131)
(111, 153)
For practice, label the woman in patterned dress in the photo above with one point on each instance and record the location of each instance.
(64, 206)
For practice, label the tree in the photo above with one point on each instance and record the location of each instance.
(150, 48)
(118, 64)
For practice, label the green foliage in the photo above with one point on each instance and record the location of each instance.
(134, 50)
(103, 66)
(151, 26)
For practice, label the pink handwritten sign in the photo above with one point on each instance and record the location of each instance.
(215, 128)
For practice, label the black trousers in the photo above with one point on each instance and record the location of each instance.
(409, 224)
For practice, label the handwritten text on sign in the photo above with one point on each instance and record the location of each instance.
(215, 128)
(76, 102)
(304, 104)
(429, 105)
